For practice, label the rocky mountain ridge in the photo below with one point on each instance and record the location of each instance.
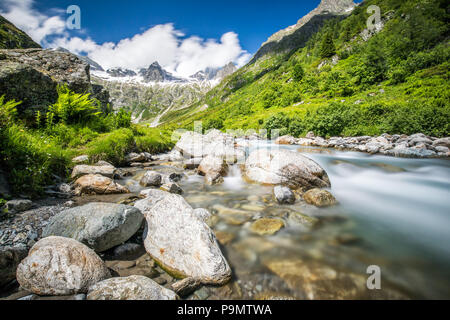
(294, 36)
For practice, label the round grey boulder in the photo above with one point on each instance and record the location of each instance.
(100, 226)
(284, 195)
(57, 266)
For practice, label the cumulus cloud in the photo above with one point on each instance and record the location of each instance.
(37, 25)
(163, 43)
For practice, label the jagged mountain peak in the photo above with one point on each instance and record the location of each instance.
(155, 73)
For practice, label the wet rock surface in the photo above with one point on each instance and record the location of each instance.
(129, 288)
(100, 226)
(277, 167)
(320, 198)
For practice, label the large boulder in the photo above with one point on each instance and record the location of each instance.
(130, 288)
(276, 167)
(97, 184)
(32, 76)
(82, 170)
(180, 241)
(100, 226)
(214, 143)
(213, 168)
(58, 266)
(10, 257)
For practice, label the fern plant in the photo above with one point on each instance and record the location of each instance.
(8, 111)
(71, 108)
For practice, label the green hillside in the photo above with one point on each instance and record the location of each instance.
(340, 81)
(13, 38)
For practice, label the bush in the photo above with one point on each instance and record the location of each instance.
(279, 122)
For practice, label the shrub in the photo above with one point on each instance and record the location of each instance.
(279, 122)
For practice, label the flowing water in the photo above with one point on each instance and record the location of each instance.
(393, 213)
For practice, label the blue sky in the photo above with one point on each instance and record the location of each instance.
(183, 36)
(253, 20)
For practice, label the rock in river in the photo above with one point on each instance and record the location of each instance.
(97, 184)
(267, 227)
(130, 288)
(320, 198)
(100, 226)
(213, 168)
(82, 170)
(284, 195)
(180, 241)
(151, 179)
(275, 167)
(58, 266)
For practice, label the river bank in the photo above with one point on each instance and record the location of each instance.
(403, 146)
(303, 251)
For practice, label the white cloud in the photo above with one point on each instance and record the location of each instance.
(38, 26)
(163, 43)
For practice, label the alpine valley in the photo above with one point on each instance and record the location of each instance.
(318, 169)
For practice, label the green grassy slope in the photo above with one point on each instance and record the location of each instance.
(397, 81)
(13, 38)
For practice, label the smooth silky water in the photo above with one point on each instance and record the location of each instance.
(393, 213)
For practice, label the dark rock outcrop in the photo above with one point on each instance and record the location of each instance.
(32, 76)
(94, 65)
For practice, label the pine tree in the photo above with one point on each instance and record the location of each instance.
(328, 49)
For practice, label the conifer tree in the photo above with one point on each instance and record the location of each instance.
(328, 49)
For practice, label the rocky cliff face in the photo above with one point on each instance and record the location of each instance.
(215, 74)
(32, 76)
(13, 38)
(297, 35)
